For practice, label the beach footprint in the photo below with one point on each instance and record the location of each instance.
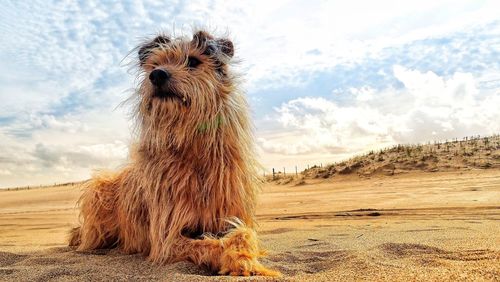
(293, 263)
(6, 261)
(428, 254)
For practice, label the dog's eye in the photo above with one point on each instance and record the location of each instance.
(193, 62)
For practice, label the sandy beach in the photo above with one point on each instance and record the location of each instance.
(412, 226)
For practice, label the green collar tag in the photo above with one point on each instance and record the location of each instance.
(216, 123)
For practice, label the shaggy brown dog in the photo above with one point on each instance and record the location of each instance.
(189, 191)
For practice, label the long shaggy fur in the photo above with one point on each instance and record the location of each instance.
(189, 190)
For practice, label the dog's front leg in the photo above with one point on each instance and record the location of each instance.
(206, 251)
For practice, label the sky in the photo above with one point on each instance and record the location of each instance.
(325, 79)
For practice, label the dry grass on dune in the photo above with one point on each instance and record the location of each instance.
(468, 153)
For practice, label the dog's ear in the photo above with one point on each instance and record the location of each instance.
(146, 48)
(224, 51)
(226, 47)
(201, 38)
(220, 49)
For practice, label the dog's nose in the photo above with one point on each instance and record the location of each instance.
(159, 76)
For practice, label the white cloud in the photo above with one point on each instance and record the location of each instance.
(428, 107)
(280, 49)
(46, 161)
(43, 149)
(5, 172)
(90, 156)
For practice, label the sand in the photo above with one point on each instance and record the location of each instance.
(413, 226)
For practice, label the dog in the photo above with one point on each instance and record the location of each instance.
(189, 190)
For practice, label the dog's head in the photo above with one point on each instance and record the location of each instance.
(185, 81)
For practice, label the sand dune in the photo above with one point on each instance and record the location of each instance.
(415, 226)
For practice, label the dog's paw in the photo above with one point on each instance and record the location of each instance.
(240, 254)
(242, 263)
